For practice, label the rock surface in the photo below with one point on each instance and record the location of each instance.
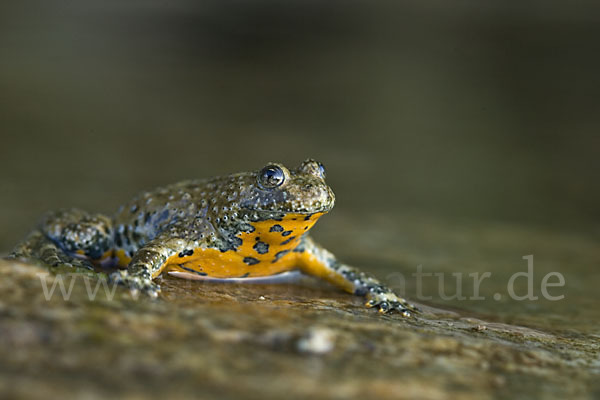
(277, 341)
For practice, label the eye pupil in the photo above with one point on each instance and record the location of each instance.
(271, 177)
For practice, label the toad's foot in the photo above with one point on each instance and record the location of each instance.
(135, 284)
(386, 301)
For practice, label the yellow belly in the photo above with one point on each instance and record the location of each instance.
(216, 264)
(246, 261)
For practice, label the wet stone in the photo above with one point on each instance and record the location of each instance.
(232, 341)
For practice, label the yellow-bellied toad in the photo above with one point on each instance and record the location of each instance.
(248, 224)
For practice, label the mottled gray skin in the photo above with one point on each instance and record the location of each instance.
(205, 214)
(211, 211)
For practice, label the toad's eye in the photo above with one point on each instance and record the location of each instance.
(271, 176)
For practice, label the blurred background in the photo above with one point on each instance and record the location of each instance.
(429, 116)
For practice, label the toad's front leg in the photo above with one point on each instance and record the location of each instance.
(317, 261)
(147, 263)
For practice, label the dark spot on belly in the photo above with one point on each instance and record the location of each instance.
(307, 217)
(261, 247)
(186, 253)
(251, 260)
(247, 274)
(286, 233)
(276, 228)
(288, 240)
(193, 270)
(279, 255)
(118, 241)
